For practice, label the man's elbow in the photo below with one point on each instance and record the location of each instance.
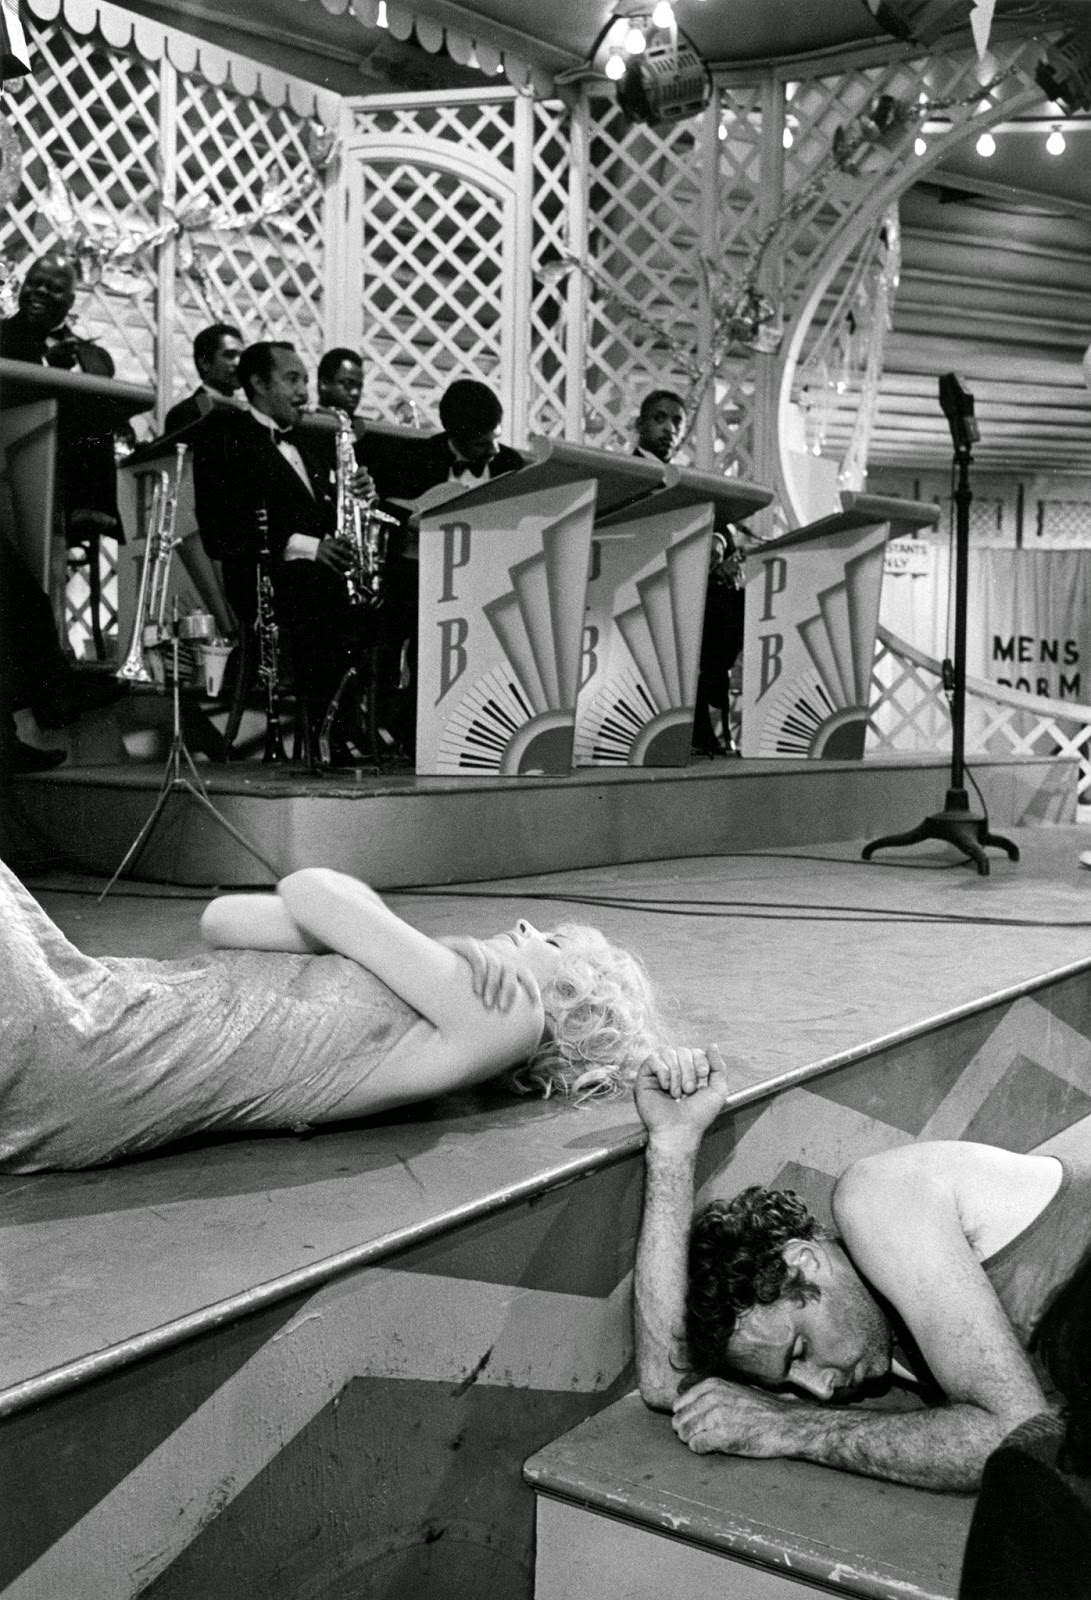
(658, 1381)
(657, 1395)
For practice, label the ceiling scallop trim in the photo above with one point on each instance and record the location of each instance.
(154, 41)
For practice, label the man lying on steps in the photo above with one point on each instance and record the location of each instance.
(758, 1327)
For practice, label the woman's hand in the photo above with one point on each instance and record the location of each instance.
(496, 977)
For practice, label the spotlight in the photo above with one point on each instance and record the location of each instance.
(668, 83)
(920, 21)
(1064, 74)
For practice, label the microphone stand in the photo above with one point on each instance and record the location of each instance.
(181, 777)
(956, 824)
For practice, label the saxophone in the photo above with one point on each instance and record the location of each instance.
(359, 525)
(268, 635)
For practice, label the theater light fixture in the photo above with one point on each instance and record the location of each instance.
(659, 74)
(919, 21)
(1064, 74)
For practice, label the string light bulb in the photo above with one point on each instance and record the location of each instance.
(663, 15)
(920, 146)
(615, 66)
(986, 145)
(635, 41)
(1055, 144)
(787, 138)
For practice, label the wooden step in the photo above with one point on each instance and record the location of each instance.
(625, 1512)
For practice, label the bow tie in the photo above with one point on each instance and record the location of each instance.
(280, 434)
(60, 351)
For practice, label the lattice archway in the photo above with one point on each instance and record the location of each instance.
(434, 283)
(832, 213)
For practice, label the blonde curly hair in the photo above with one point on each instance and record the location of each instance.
(601, 1021)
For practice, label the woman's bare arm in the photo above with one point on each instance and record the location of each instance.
(459, 1041)
(255, 922)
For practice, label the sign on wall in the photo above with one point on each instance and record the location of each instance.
(1029, 621)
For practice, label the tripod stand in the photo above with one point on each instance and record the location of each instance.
(967, 830)
(181, 776)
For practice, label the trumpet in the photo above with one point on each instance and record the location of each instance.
(150, 620)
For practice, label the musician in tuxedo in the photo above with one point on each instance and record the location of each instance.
(245, 459)
(216, 354)
(340, 380)
(660, 429)
(40, 332)
(660, 425)
(467, 452)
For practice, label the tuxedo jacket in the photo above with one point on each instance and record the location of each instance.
(404, 468)
(191, 409)
(85, 428)
(19, 341)
(236, 468)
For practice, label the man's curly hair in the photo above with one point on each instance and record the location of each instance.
(736, 1262)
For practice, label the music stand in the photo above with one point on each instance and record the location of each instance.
(967, 830)
(181, 775)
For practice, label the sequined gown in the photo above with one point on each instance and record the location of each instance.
(108, 1057)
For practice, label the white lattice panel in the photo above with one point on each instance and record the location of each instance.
(268, 279)
(124, 133)
(552, 372)
(93, 114)
(643, 206)
(909, 713)
(433, 253)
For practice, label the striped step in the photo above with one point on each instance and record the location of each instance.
(624, 1512)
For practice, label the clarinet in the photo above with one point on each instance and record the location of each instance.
(268, 634)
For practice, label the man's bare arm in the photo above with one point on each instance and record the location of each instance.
(679, 1094)
(901, 1217)
(940, 1448)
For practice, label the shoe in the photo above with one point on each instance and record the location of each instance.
(19, 757)
(66, 699)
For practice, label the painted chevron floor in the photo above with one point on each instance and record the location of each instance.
(274, 1366)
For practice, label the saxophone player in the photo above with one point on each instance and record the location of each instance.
(248, 457)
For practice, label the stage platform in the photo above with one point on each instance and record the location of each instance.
(313, 1366)
(396, 830)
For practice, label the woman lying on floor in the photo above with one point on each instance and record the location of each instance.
(320, 1005)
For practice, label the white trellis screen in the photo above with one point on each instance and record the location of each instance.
(432, 254)
(135, 121)
(909, 713)
(573, 260)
